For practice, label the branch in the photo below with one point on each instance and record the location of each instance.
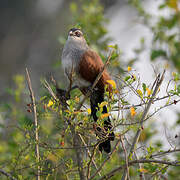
(105, 161)
(150, 115)
(157, 172)
(90, 156)
(90, 161)
(35, 122)
(126, 157)
(114, 171)
(158, 82)
(141, 175)
(136, 138)
(7, 175)
(79, 153)
(48, 87)
(165, 152)
(116, 108)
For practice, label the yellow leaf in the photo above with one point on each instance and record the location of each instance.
(52, 157)
(148, 91)
(133, 112)
(67, 111)
(112, 83)
(50, 103)
(116, 91)
(129, 68)
(143, 170)
(104, 103)
(26, 157)
(173, 74)
(140, 93)
(76, 112)
(173, 4)
(76, 99)
(85, 118)
(142, 136)
(104, 115)
(111, 46)
(166, 66)
(89, 111)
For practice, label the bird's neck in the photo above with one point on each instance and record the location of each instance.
(75, 45)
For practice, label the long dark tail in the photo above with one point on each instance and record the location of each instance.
(96, 98)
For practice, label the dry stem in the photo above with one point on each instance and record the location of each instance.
(35, 122)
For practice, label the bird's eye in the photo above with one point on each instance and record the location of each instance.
(78, 34)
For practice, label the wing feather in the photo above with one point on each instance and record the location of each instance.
(89, 68)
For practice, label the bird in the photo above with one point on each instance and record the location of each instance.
(82, 65)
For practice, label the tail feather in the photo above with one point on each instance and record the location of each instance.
(106, 146)
(96, 98)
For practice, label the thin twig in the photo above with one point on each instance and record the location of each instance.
(79, 153)
(157, 172)
(7, 174)
(90, 161)
(105, 161)
(158, 81)
(48, 87)
(141, 175)
(114, 171)
(126, 156)
(89, 154)
(116, 108)
(35, 121)
(165, 153)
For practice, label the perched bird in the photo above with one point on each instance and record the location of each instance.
(82, 65)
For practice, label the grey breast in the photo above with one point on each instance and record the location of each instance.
(71, 57)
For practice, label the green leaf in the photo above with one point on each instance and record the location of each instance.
(162, 6)
(176, 77)
(140, 93)
(178, 89)
(127, 78)
(158, 53)
(144, 87)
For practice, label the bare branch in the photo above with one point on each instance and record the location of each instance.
(90, 161)
(157, 84)
(89, 154)
(159, 81)
(7, 175)
(105, 161)
(157, 172)
(48, 87)
(35, 121)
(165, 153)
(126, 156)
(79, 153)
(114, 171)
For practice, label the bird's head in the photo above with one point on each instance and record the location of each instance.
(75, 35)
